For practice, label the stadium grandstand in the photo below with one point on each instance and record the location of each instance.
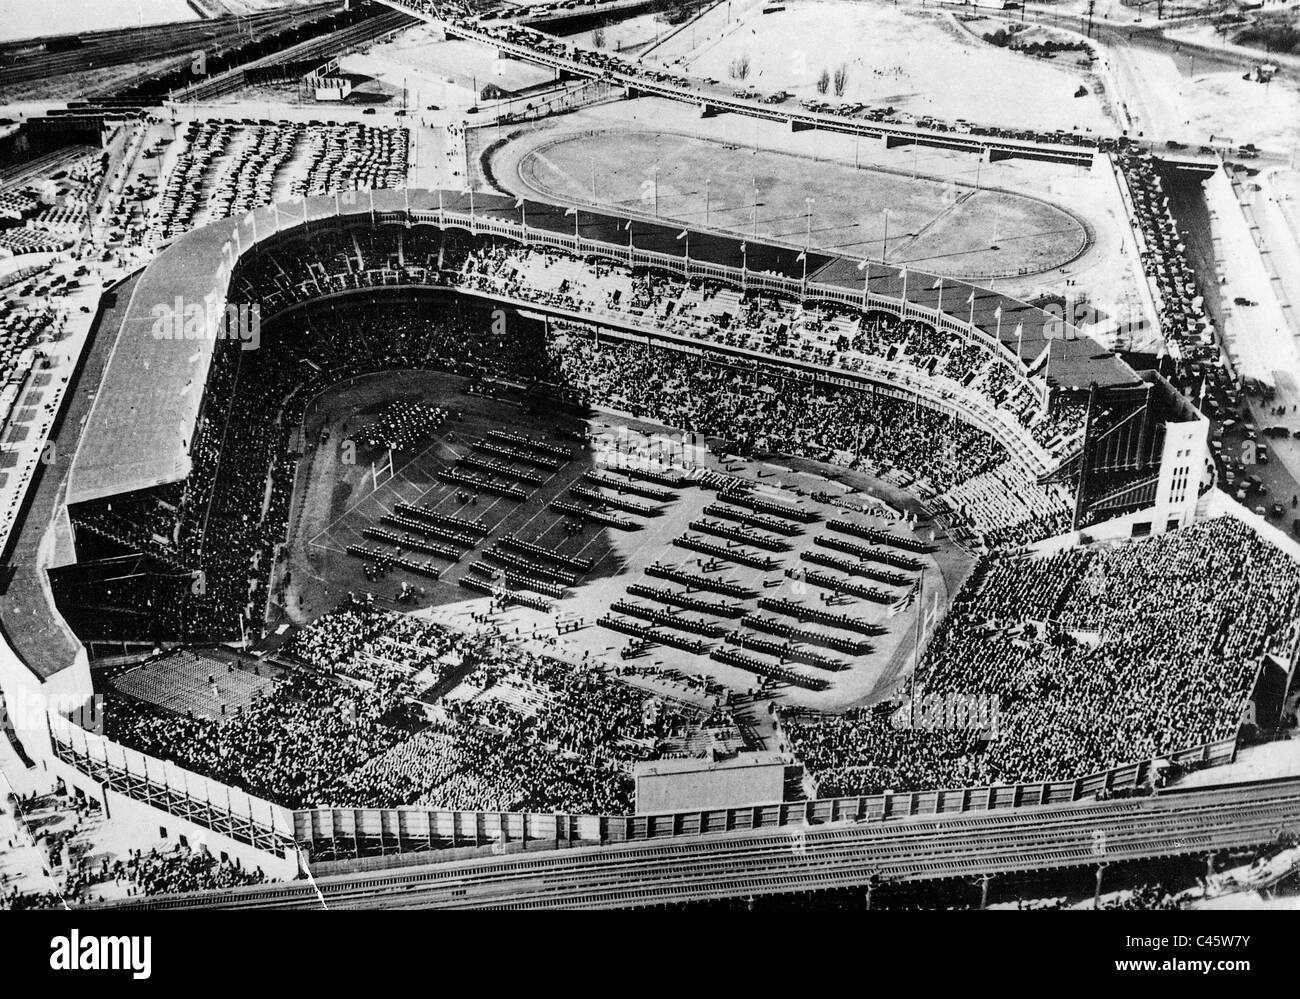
(427, 542)
(165, 491)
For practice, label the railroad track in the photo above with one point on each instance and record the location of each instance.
(804, 858)
(24, 61)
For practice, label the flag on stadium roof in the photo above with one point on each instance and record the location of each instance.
(571, 211)
(682, 234)
(519, 202)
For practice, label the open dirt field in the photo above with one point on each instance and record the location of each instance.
(915, 60)
(334, 502)
(1177, 99)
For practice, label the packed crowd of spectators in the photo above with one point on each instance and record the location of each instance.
(835, 337)
(520, 730)
(290, 747)
(702, 395)
(1096, 657)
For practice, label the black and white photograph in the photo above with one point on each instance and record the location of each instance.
(730, 460)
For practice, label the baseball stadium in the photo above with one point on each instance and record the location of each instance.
(642, 495)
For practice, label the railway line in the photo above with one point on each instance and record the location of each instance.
(804, 858)
(320, 48)
(24, 61)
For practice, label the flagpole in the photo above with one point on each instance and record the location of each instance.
(1020, 341)
(939, 307)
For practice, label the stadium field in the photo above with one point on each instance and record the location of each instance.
(335, 502)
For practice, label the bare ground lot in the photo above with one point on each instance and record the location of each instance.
(334, 502)
(919, 61)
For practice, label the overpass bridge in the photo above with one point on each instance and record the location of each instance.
(567, 58)
(797, 858)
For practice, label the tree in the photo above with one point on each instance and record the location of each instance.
(598, 38)
(739, 68)
(824, 81)
(841, 79)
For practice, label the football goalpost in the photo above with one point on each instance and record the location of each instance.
(382, 469)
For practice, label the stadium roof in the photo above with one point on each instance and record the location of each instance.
(142, 421)
(28, 617)
(145, 409)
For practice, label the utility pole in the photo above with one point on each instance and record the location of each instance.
(1092, 4)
